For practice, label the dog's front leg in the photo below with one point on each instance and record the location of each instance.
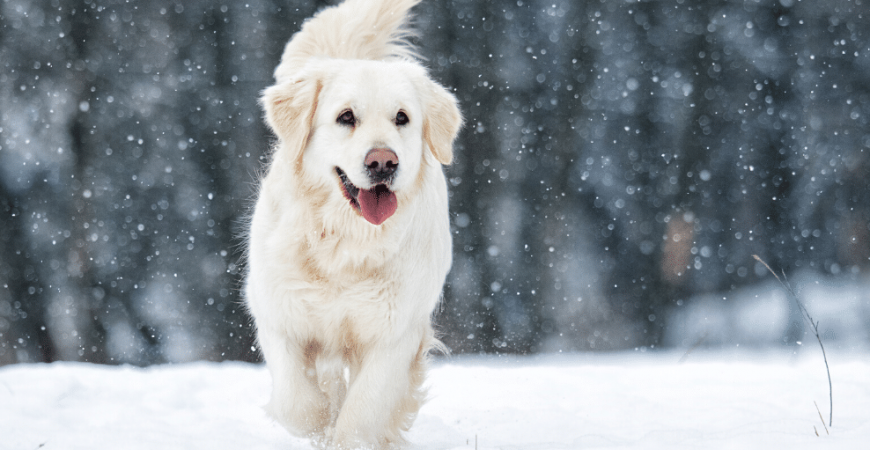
(384, 396)
(296, 401)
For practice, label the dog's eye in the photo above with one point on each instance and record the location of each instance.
(347, 118)
(401, 118)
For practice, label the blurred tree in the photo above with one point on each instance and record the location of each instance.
(619, 160)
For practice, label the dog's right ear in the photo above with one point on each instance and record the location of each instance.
(290, 108)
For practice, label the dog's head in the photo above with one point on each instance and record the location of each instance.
(363, 129)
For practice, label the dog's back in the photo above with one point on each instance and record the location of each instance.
(355, 29)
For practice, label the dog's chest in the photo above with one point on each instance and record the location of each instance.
(346, 288)
(350, 314)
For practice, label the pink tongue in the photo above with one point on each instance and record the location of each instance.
(377, 204)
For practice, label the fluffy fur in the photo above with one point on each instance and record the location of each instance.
(342, 306)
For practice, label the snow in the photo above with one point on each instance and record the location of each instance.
(714, 399)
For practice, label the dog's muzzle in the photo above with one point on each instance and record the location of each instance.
(377, 204)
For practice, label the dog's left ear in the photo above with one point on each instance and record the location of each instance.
(441, 122)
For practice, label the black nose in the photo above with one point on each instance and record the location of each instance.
(381, 164)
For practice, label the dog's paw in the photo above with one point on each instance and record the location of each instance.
(321, 440)
(342, 441)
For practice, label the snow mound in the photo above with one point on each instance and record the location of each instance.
(643, 401)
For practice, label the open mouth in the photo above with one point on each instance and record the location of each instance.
(375, 205)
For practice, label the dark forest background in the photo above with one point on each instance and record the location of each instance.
(620, 160)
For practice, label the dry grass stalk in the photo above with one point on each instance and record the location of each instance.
(815, 327)
(821, 418)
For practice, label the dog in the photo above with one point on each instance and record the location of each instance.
(349, 241)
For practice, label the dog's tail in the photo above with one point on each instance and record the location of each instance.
(355, 29)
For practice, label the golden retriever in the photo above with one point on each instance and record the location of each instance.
(349, 242)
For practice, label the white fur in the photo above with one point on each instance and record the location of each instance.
(342, 306)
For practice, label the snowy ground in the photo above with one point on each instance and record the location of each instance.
(630, 400)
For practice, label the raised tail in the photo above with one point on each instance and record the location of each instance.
(354, 29)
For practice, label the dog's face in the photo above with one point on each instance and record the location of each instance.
(362, 129)
(368, 134)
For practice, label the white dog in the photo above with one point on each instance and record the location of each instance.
(350, 236)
